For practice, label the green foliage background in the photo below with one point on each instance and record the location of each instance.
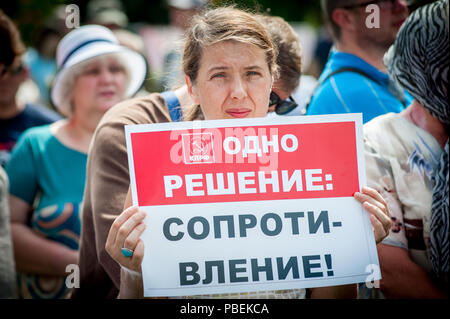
(30, 15)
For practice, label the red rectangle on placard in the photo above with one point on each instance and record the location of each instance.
(192, 166)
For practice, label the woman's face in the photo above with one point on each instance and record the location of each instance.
(233, 81)
(100, 85)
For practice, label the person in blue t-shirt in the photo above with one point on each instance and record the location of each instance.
(15, 117)
(354, 79)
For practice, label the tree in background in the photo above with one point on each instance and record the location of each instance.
(31, 15)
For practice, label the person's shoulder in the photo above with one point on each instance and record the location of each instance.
(40, 114)
(387, 127)
(383, 122)
(110, 132)
(35, 134)
(33, 138)
(41, 131)
(348, 74)
(346, 92)
(150, 108)
(325, 100)
(333, 83)
(347, 83)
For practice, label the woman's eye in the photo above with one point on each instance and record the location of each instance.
(116, 69)
(218, 76)
(253, 73)
(92, 71)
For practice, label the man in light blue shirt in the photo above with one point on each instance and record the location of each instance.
(354, 79)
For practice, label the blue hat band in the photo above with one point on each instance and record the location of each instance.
(83, 45)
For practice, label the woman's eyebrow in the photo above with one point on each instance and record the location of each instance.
(252, 67)
(222, 68)
(217, 68)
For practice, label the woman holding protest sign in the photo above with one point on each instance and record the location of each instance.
(229, 65)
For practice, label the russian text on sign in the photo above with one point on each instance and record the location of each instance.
(248, 182)
(271, 224)
(243, 270)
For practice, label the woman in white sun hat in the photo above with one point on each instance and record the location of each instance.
(48, 165)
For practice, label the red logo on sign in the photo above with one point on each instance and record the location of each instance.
(198, 148)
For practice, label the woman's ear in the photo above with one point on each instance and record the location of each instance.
(191, 89)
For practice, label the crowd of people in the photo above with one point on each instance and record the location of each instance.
(65, 195)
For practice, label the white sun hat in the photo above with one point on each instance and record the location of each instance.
(187, 4)
(88, 42)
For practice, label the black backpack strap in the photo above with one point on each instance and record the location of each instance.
(348, 69)
(341, 70)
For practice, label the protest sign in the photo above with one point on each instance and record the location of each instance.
(251, 204)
